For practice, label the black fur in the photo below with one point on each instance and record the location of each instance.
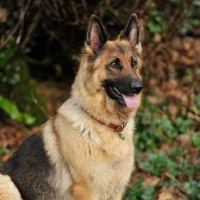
(29, 169)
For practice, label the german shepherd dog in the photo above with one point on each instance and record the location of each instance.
(86, 151)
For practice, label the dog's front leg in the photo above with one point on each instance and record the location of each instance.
(8, 190)
(81, 192)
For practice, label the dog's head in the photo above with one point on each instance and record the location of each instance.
(113, 68)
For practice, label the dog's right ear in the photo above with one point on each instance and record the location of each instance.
(132, 32)
(96, 35)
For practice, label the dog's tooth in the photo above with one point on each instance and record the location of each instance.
(117, 90)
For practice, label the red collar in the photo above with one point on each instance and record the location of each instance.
(116, 128)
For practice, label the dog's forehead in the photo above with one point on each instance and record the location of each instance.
(120, 47)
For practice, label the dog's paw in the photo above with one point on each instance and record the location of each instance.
(8, 190)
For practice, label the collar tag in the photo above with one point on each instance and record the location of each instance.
(121, 136)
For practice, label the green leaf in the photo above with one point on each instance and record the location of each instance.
(149, 193)
(12, 110)
(196, 141)
(153, 27)
(5, 56)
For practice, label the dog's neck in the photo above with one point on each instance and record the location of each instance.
(116, 128)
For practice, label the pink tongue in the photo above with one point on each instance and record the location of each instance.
(131, 101)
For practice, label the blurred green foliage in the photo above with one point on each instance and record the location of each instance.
(14, 113)
(138, 192)
(154, 128)
(172, 17)
(160, 164)
(17, 89)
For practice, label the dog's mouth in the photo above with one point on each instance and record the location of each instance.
(130, 101)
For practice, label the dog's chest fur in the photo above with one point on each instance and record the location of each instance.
(87, 155)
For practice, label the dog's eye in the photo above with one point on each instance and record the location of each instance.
(113, 64)
(133, 63)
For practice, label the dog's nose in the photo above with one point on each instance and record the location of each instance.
(136, 86)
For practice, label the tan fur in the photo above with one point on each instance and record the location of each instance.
(8, 190)
(90, 161)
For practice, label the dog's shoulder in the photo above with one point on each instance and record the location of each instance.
(28, 154)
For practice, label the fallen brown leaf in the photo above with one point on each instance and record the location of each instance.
(171, 193)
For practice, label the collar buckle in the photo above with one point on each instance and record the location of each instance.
(120, 128)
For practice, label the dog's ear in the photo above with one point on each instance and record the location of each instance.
(132, 32)
(96, 35)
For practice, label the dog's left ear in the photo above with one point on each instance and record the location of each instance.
(96, 35)
(132, 32)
